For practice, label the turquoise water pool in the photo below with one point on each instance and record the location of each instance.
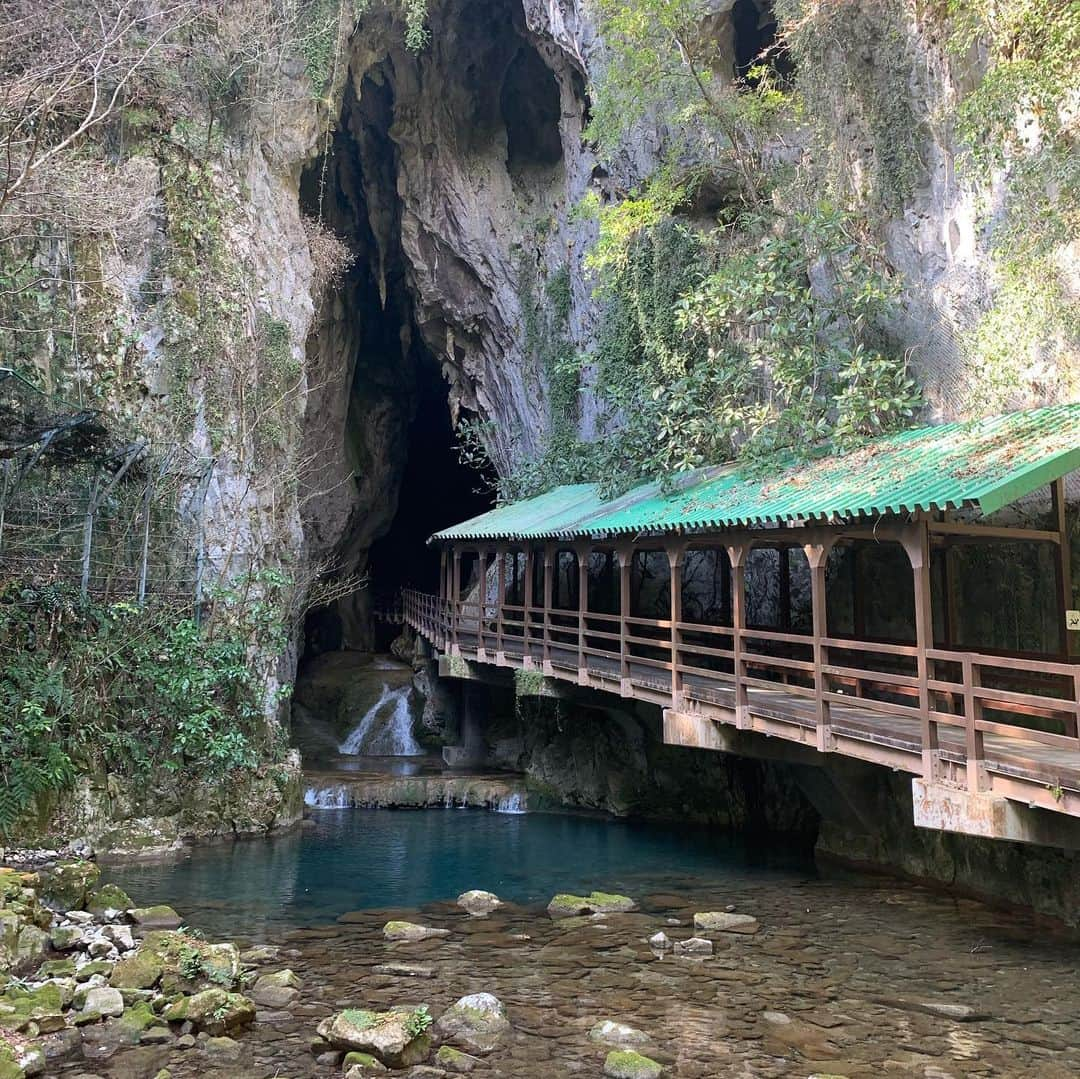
(345, 860)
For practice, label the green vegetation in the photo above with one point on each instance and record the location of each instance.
(122, 690)
(418, 1021)
(1017, 118)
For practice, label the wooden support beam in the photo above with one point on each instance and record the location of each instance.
(500, 597)
(676, 552)
(817, 555)
(455, 602)
(737, 554)
(625, 554)
(1064, 567)
(528, 598)
(916, 542)
(582, 550)
(549, 588)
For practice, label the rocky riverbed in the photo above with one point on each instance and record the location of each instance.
(757, 978)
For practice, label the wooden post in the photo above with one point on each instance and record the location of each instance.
(527, 599)
(1064, 565)
(916, 541)
(455, 595)
(625, 553)
(737, 553)
(583, 552)
(977, 777)
(549, 588)
(500, 599)
(817, 555)
(675, 552)
(442, 574)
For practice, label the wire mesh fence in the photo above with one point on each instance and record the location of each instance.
(82, 505)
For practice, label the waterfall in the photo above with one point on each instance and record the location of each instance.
(511, 803)
(386, 729)
(328, 797)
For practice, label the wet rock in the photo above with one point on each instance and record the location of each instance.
(278, 990)
(157, 917)
(410, 931)
(406, 970)
(660, 941)
(626, 1064)
(262, 954)
(66, 938)
(478, 902)
(391, 1036)
(475, 1022)
(222, 1048)
(68, 885)
(216, 1011)
(564, 905)
(108, 897)
(722, 921)
(454, 1060)
(618, 1035)
(361, 1064)
(21, 1060)
(423, 1071)
(104, 1000)
(140, 971)
(694, 946)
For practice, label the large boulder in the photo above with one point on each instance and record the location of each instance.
(566, 906)
(397, 1038)
(105, 1001)
(157, 917)
(475, 1023)
(140, 971)
(478, 902)
(720, 921)
(68, 885)
(216, 1011)
(278, 990)
(108, 897)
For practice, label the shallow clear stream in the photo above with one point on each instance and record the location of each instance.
(848, 976)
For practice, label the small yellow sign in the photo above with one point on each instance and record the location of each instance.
(1072, 620)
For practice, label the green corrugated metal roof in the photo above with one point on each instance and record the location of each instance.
(988, 463)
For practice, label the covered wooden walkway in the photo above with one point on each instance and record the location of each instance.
(625, 610)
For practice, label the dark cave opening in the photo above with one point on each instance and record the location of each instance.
(756, 44)
(388, 417)
(529, 103)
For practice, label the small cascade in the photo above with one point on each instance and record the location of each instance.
(386, 728)
(511, 803)
(337, 797)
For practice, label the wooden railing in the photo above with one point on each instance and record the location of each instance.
(865, 690)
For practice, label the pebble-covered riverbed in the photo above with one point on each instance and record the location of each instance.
(849, 978)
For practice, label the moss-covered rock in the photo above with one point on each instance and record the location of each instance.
(108, 897)
(454, 1060)
(392, 1036)
(96, 966)
(364, 1061)
(140, 971)
(626, 1064)
(565, 905)
(216, 1011)
(56, 968)
(475, 1022)
(410, 931)
(67, 886)
(156, 917)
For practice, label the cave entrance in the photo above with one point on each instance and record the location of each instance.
(756, 45)
(388, 471)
